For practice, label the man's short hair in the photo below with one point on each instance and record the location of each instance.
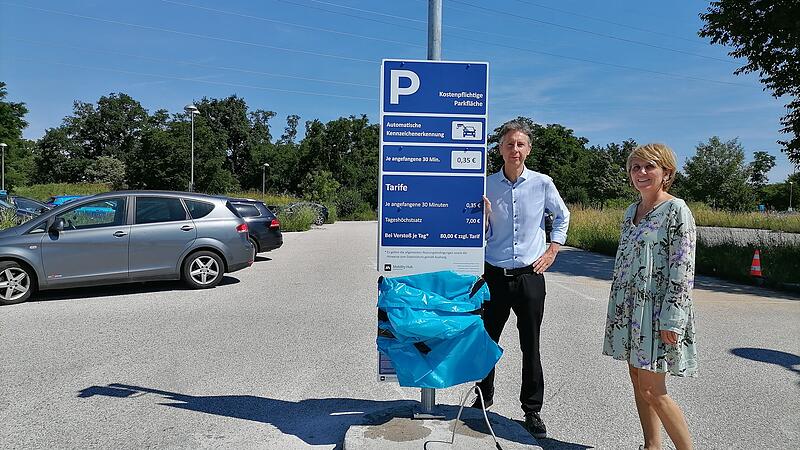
(515, 125)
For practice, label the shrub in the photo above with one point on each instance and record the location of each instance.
(299, 219)
(364, 212)
(8, 219)
(107, 170)
(348, 201)
(618, 203)
(576, 194)
(319, 186)
(333, 214)
(780, 265)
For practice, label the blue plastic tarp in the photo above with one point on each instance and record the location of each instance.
(434, 336)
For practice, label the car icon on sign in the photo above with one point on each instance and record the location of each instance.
(468, 131)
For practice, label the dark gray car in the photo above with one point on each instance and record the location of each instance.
(125, 236)
(265, 228)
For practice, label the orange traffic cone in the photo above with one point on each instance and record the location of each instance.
(755, 267)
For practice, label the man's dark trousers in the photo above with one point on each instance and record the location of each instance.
(524, 294)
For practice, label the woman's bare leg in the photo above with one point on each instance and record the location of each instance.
(653, 389)
(651, 425)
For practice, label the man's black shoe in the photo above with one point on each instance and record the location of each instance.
(535, 426)
(487, 402)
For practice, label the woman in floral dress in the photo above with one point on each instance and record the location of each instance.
(650, 322)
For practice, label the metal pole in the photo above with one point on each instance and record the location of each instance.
(428, 399)
(435, 30)
(3, 146)
(191, 182)
(264, 181)
(791, 188)
(428, 395)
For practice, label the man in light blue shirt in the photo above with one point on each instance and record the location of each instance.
(517, 255)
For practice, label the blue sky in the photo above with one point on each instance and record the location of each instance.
(609, 70)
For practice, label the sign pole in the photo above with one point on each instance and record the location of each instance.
(435, 30)
(428, 395)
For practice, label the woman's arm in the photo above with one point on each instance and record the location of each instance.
(681, 242)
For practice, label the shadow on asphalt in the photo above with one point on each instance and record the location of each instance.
(262, 259)
(555, 444)
(119, 289)
(582, 263)
(786, 360)
(316, 421)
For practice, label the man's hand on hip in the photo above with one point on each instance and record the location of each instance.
(546, 260)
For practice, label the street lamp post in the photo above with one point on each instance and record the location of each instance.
(3, 146)
(263, 179)
(791, 188)
(192, 110)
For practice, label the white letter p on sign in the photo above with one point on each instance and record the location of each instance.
(395, 91)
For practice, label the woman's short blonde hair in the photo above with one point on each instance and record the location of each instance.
(661, 155)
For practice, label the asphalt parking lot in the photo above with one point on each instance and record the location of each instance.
(282, 355)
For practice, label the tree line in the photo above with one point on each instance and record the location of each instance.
(117, 141)
(716, 174)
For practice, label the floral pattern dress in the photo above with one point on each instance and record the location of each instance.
(651, 291)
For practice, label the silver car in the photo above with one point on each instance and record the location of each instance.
(125, 236)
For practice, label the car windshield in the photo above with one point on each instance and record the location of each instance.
(26, 203)
(61, 199)
(5, 204)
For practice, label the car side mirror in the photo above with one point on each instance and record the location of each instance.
(57, 226)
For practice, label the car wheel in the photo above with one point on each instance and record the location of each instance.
(203, 270)
(320, 220)
(15, 283)
(255, 247)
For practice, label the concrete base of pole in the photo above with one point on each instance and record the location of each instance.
(427, 407)
(395, 428)
(423, 414)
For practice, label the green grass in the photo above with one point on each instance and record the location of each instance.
(45, 191)
(594, 230)
(707, 217)
(598, 231)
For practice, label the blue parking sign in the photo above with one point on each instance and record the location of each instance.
(434, 87)
(433, 166)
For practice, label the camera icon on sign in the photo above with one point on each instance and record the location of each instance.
(470, 131)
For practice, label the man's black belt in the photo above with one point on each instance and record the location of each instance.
(494, 270)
